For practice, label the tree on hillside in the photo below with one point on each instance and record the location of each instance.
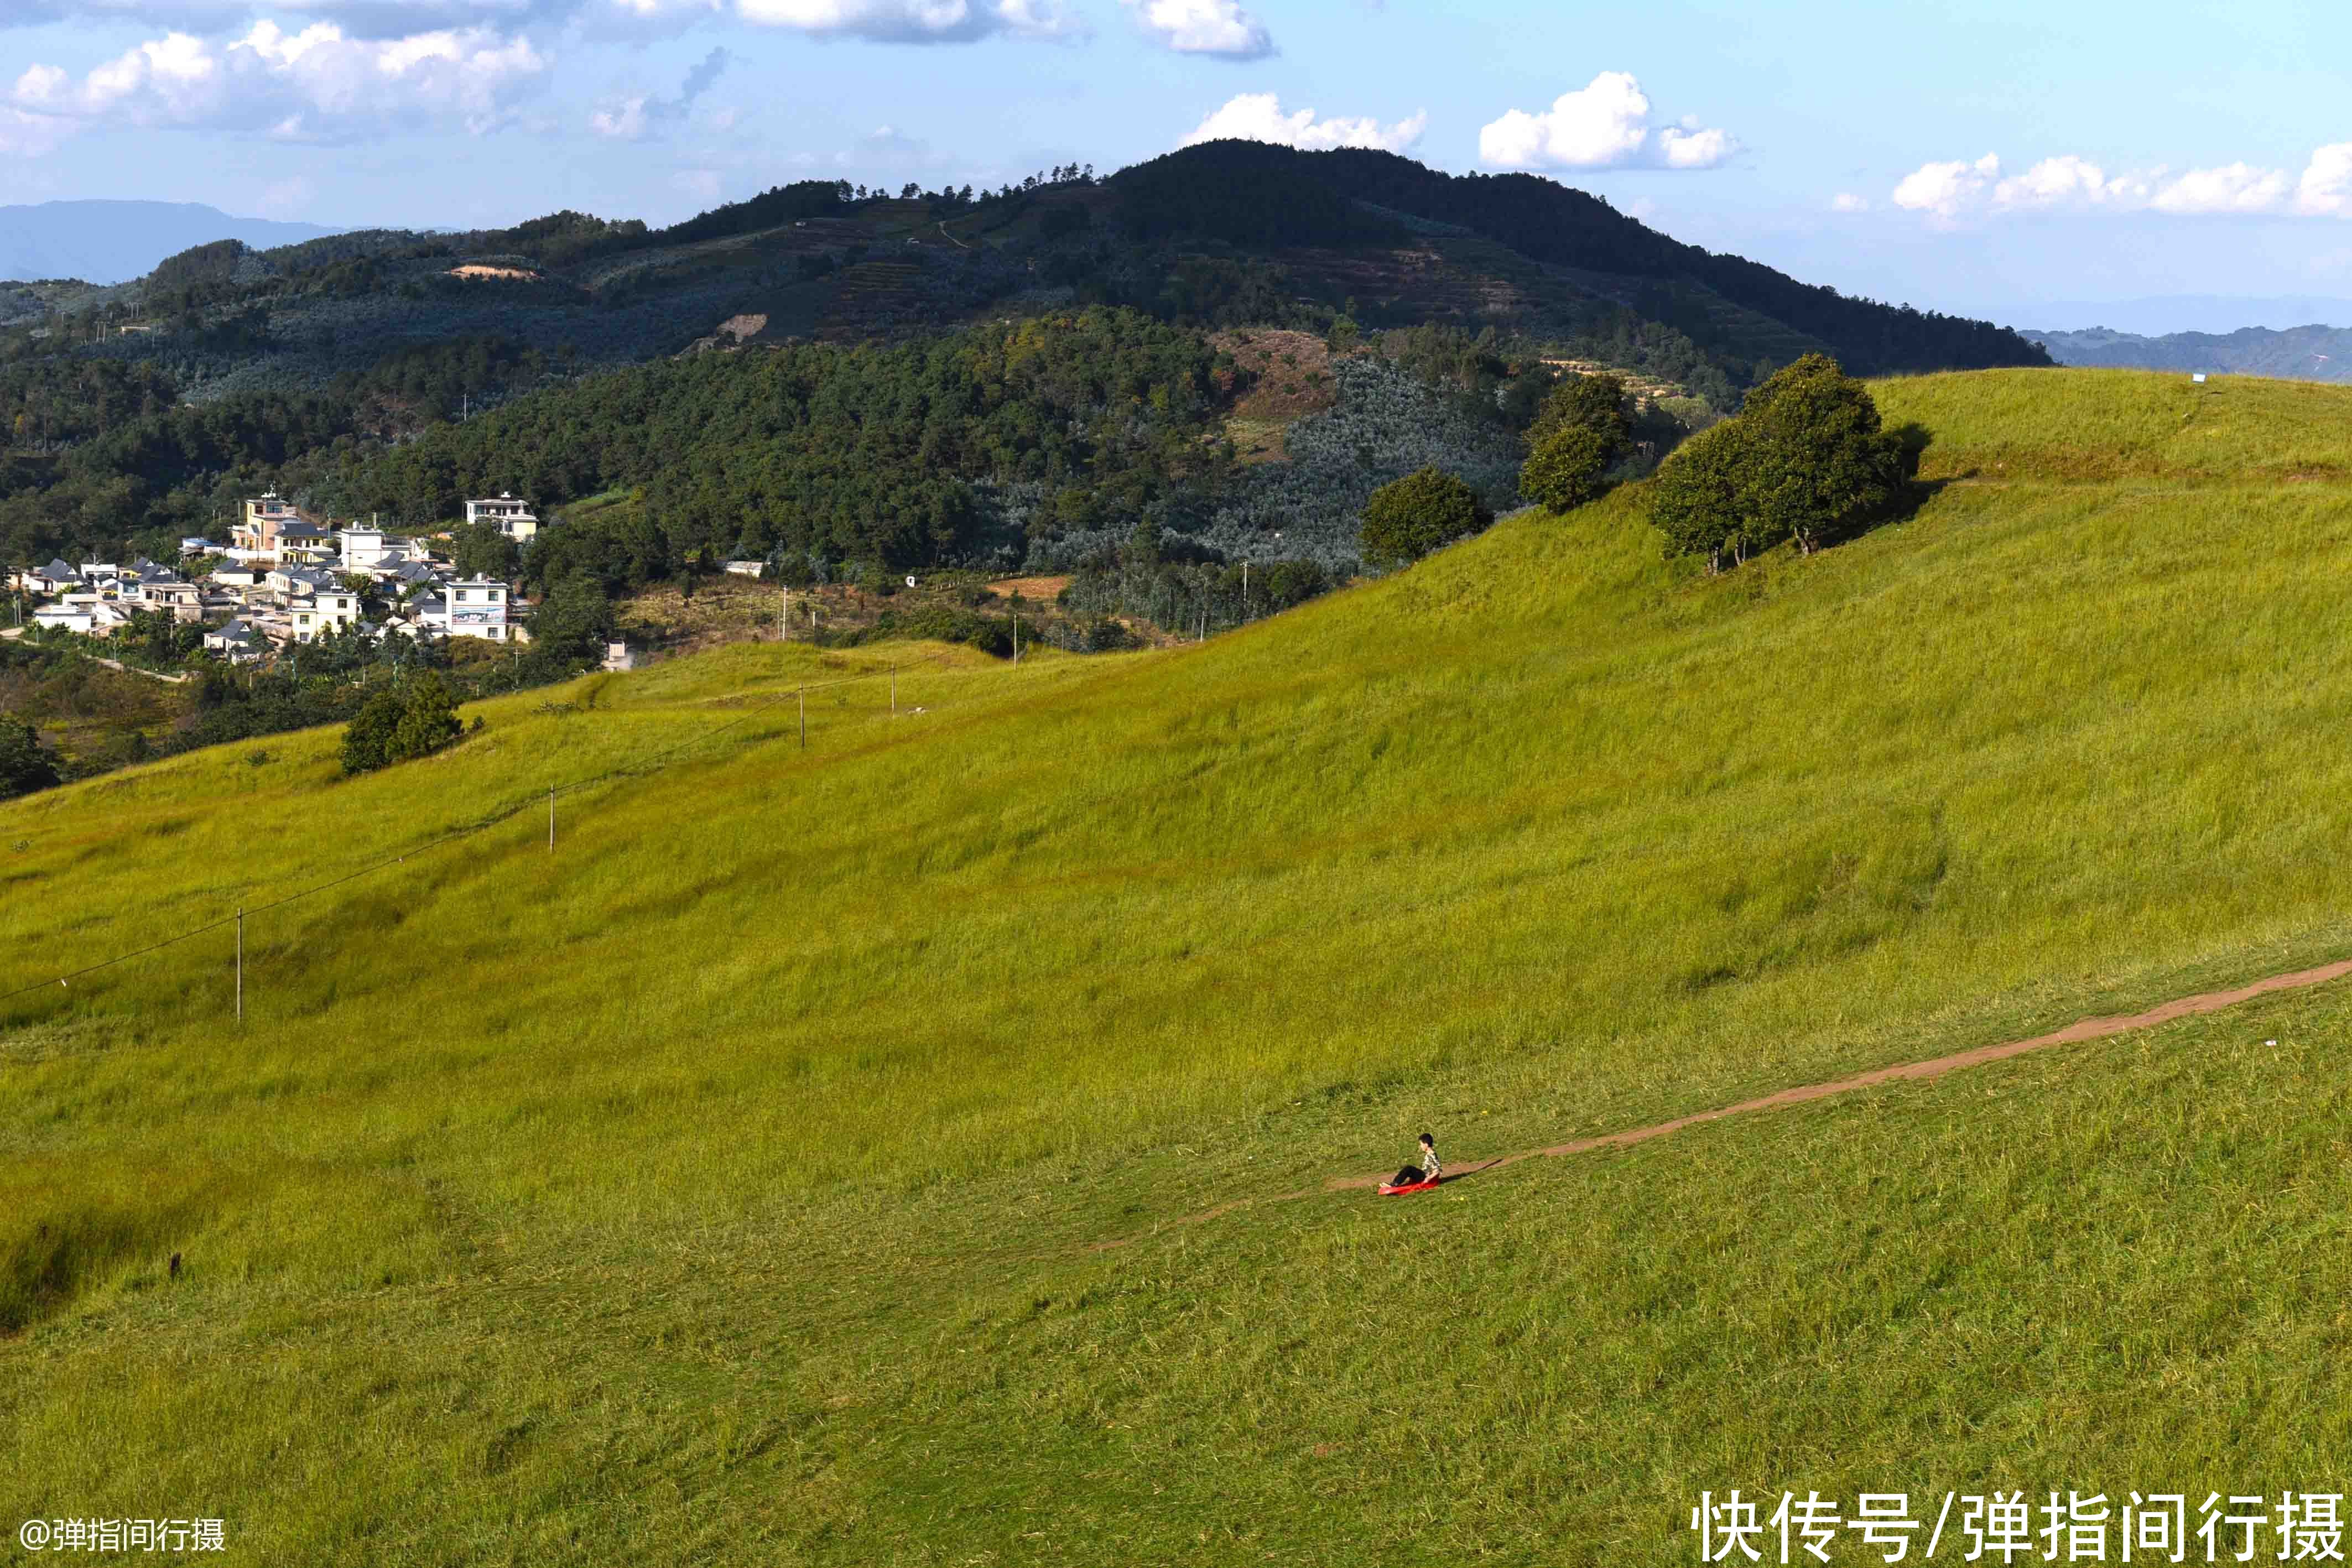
(1696, 500)
(397, 724)
(1818, 459)
(1805, 457)
(1565, 470)
(24, 766)
(367, 739)
(1423, 511)
(483, 550)
(1595, 403)
(574, 623)
(429, 721)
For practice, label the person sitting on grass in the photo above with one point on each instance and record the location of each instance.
(1430, 1169)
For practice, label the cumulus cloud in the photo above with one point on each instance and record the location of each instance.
(1942, 189)
(1258, 117)
(1218, 28)
(637, 116)
(317, 83)
(1605, 124)
(2071, 183)
(888, 21)
(913, 21)
(1847, 201)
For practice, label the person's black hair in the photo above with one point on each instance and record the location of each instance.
(1430, 1140)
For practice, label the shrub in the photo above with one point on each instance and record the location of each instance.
(1423, 511)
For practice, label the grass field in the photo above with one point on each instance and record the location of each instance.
(723, 1184)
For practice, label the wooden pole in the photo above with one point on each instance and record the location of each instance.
(240, 964)
(551, 818)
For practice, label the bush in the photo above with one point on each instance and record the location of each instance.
(1423, 511)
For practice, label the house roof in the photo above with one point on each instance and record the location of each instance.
(57, 570)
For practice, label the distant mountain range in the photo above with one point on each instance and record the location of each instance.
(2311, 353)
(2218, 314)
(112, 242)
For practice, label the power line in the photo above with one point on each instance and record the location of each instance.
(638, 769)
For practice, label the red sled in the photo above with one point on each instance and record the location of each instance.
(1391, 1190)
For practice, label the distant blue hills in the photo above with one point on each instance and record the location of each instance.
(113, 242)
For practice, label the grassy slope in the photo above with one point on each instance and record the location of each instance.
(634, 1199)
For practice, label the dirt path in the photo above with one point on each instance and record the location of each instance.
(2088, 1028)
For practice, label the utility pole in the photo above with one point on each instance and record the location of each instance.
(1245, 593)
(240, 963)
(784, 617)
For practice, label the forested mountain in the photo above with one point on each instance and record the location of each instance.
(1027, 377)
(1252, 191)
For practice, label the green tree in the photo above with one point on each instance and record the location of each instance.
(1696, 500)
(1806, 457)
(480, 549)
(1564, 471)
(1423, 511)
(24, 766)
(574, 623)
(1594, 403)
(367, 739)
(1817, 459)
(429, 721)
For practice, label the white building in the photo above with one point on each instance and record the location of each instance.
(514, 518)
(329, 611)
(472, 607)
(370, 549)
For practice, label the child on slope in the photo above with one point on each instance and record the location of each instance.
(1432, 1168)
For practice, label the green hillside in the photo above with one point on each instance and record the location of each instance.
(727, 1183)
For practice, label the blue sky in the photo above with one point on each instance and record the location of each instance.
(1982, 159)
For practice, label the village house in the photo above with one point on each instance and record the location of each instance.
(180, 599)
(514, 518)
(237, 642)
(371, 550)
(255, 538)
(55, 578)
(315, 617)
(307, 543)
(288, 582)
(88, 614)
(476, 607)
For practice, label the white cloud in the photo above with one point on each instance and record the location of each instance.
(907, 21)
(1219, 27)
(2072, 183)
(314, 83)
(1258, 117)
(2233, 188)
(2325, 188)
(1942, 189)
(1847, 201)
(1603, 125)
